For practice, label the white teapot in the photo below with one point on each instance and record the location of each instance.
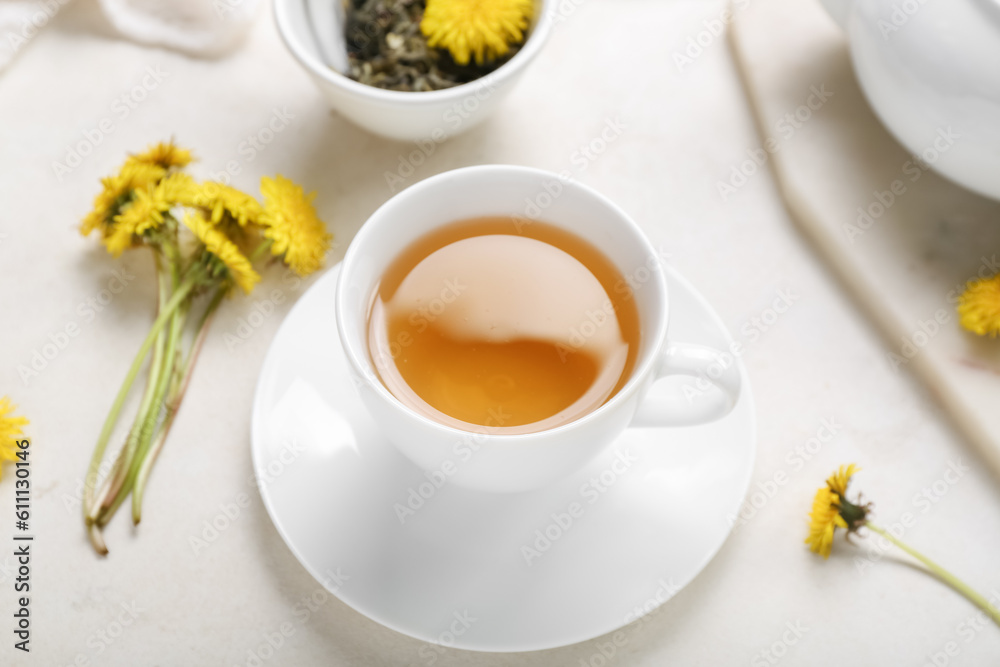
(931, 71)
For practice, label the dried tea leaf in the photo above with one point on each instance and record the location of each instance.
(386, 49)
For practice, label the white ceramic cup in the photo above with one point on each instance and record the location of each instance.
(482, 458)
(405, 116)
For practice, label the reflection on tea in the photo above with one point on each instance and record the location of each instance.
(504, 323)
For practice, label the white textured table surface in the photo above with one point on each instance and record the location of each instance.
(818, 363)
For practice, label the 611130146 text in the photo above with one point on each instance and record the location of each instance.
(22, 546)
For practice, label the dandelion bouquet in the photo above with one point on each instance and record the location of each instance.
(205, 239)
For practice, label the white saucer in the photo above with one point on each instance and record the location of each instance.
(455, 573)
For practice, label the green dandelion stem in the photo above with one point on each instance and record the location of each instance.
(90, 504)
(942, 574)
(119, 471)
(181, 379)
(165, 315)
(152, 416)
(264, 246)
(164, 379)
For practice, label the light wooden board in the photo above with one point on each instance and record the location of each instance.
(905, 266)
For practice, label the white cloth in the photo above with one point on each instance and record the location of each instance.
(20, 21)
(197, 27)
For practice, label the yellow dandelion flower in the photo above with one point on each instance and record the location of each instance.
(979, 306)
(10, 428)
(115, 191)
(291, 223)
(823, 521)
(831, 510)
(483, 28)
(146, 210)
(218, 244)
(839, 480)
(165, 155)
(219, 199)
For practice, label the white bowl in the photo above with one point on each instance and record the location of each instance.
(408, 116)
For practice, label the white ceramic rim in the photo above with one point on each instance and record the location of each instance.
(361, 361)
(536, 39)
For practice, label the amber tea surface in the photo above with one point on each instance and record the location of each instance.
(511, 324)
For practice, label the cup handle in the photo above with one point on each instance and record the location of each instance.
(692, 407)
